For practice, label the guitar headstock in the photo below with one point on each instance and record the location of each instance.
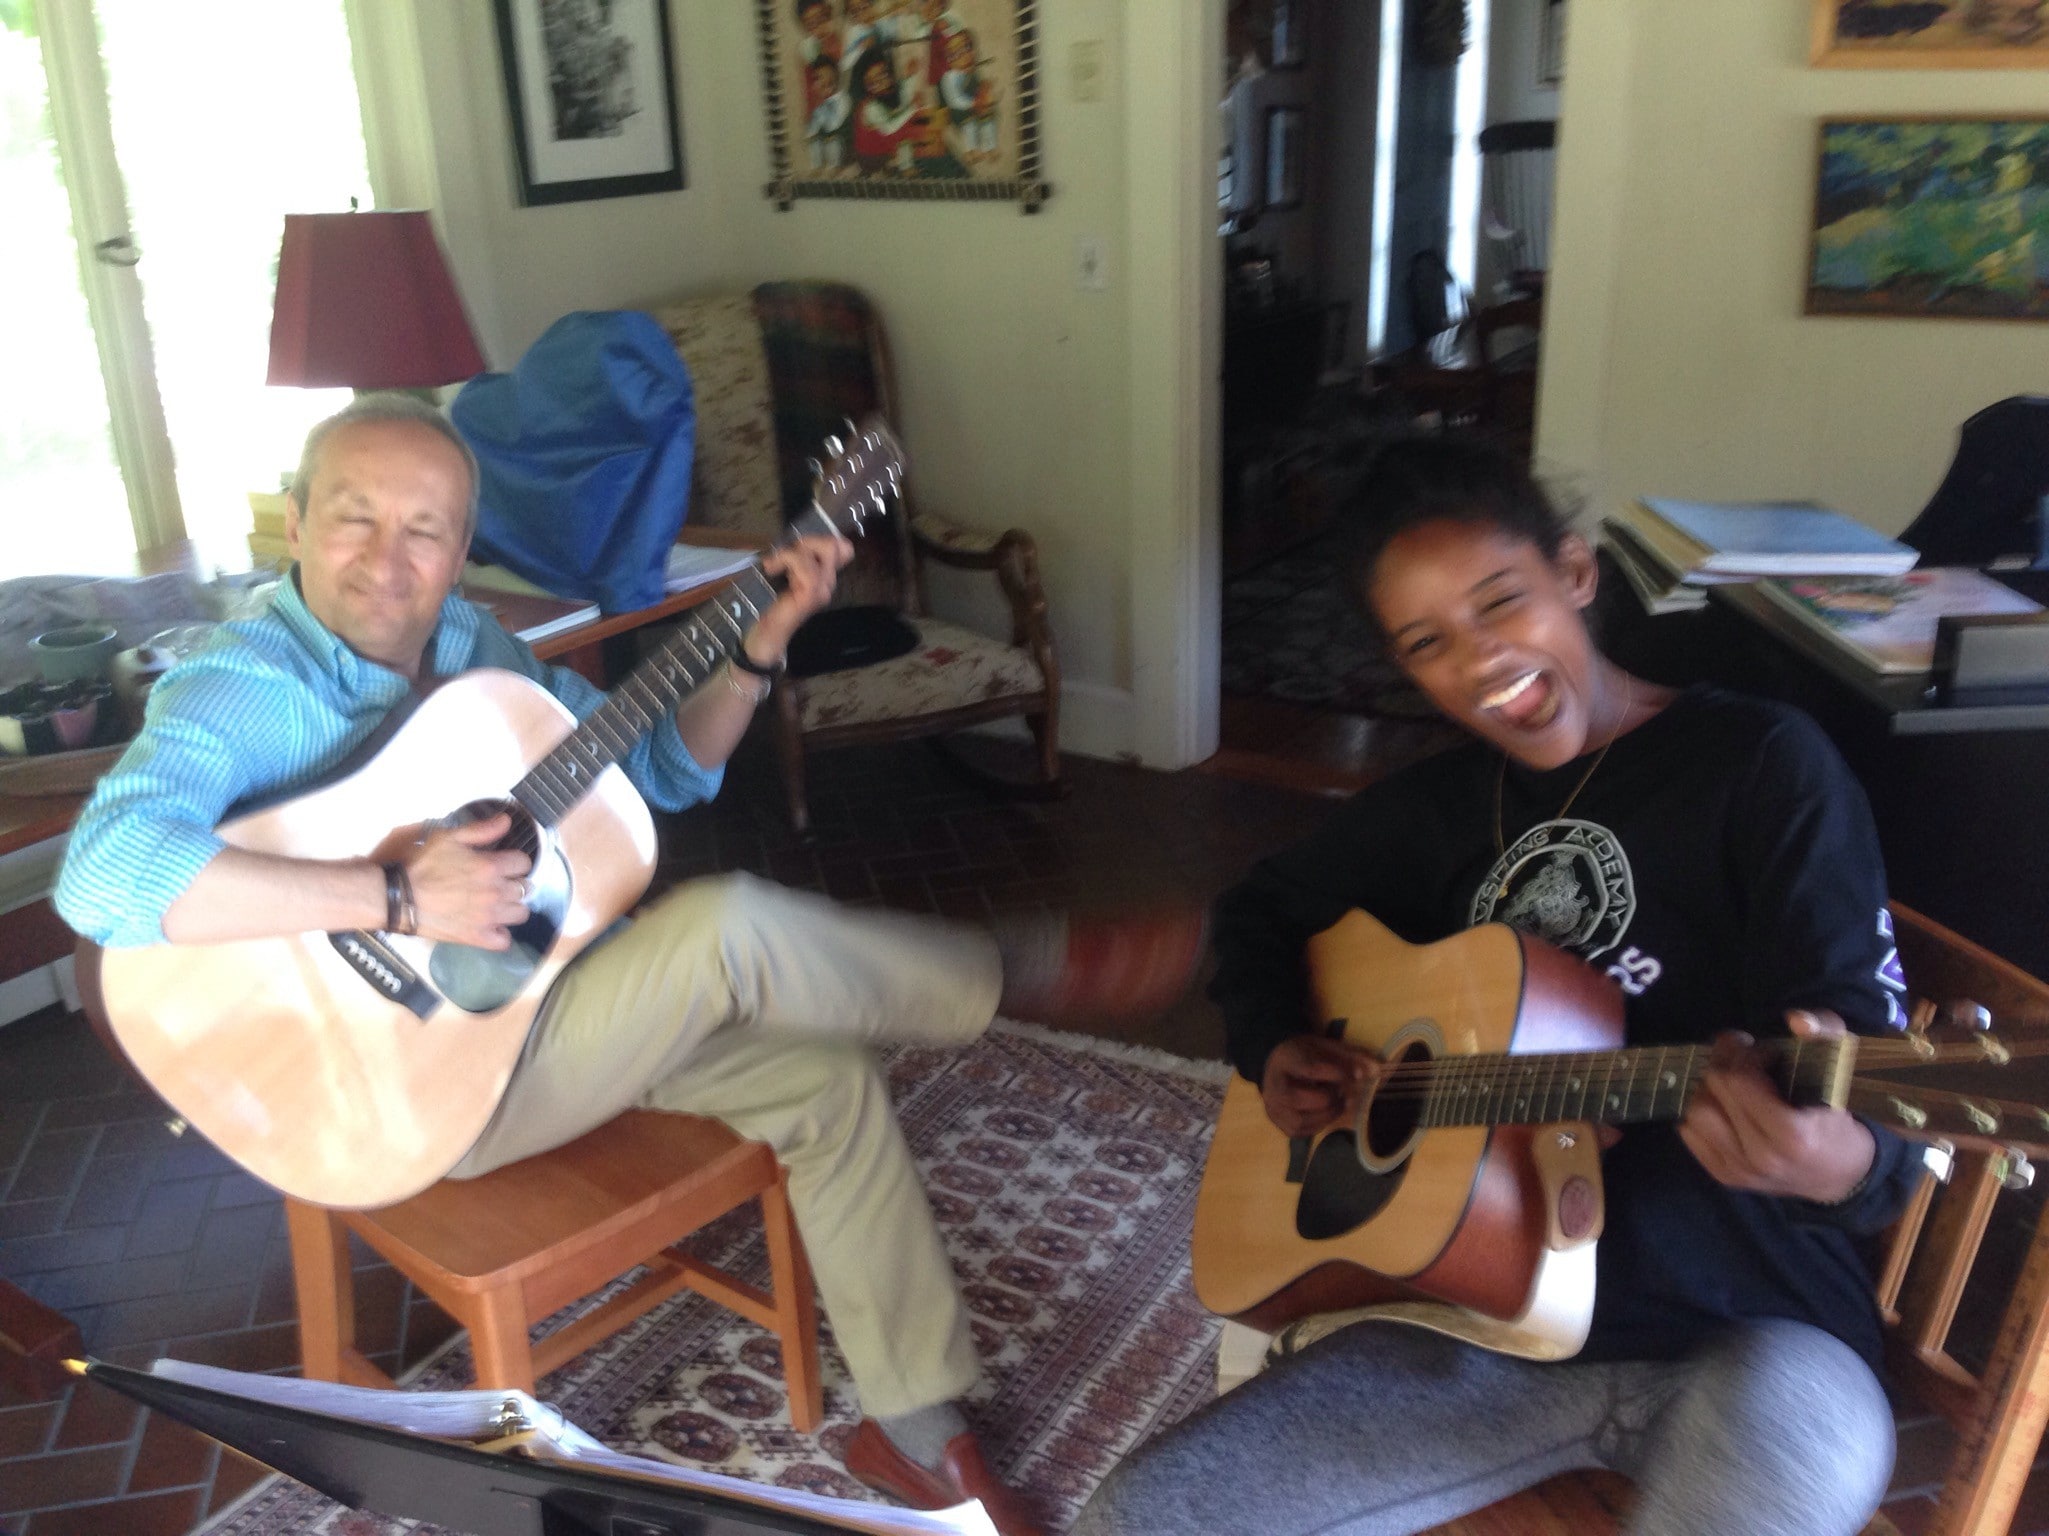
(864, 470)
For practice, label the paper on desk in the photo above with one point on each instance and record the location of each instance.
(692, 565)
(478, 1413)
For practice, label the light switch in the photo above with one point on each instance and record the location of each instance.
(1087, 69)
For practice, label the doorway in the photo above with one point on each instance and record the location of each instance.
(1384, 252)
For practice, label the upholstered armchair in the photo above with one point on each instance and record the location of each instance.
(776, 371)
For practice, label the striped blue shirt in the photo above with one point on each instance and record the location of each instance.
(274, 703)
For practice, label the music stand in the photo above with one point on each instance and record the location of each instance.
(462, 1487)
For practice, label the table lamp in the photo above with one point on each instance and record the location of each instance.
(364, 300)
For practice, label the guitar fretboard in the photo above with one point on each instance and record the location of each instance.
(1623, 1087)
(685, 661)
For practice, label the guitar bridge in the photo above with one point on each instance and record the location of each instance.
(379, 964)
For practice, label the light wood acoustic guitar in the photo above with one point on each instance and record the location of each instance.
(1464, 1193)
(355, 1069)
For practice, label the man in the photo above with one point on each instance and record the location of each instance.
(729, 997)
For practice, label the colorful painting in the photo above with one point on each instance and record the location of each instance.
(1932, 34)
(902, 98)
(1943, 217)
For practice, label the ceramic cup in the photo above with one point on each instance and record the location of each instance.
(73, 652)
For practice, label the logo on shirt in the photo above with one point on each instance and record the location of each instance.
(1565, 882)
(1890, 975)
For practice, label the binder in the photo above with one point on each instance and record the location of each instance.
(506, 1466)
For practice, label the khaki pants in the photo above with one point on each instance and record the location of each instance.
(741, 1000)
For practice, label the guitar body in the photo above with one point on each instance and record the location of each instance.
(1498, 1223)
(298, 1063)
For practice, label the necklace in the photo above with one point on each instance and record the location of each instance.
(1501, 779)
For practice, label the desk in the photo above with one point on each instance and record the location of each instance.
(1960, 796)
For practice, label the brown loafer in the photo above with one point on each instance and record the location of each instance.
(1109, 968)
(962, 1475)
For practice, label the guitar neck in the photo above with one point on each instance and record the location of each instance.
(1624, 1087)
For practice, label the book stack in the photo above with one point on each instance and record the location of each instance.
(267, 530)
(1669, 549)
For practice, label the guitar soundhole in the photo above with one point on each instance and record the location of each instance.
(1346, 1184)
(481, 980)
(1391, 1116)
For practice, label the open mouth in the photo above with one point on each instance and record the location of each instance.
(1527, 702)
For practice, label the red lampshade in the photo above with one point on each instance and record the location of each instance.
(365, 300)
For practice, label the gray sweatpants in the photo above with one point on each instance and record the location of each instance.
(1775, 1429)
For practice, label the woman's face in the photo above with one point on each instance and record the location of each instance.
(1495, 634)
(877, 79)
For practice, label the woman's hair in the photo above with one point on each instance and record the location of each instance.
(1420, 480)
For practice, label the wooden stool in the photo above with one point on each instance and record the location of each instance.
(502, 1251)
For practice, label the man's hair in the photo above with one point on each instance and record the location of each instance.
(368, 410)
(1417, 480)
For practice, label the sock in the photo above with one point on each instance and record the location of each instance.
(1033, 949)
(924, 1433)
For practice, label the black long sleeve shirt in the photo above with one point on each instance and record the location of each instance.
(1721, 865)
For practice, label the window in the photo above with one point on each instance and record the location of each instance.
(148, 159)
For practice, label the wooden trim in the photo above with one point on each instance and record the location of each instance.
(1824, 52)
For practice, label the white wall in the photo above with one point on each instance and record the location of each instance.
(1020, 390)
(1676, 358)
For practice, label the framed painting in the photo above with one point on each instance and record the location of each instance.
(591, 88)
(1551, 44)
(1287, 148)
(1944, 217)
(902, 98)
(1931, 34)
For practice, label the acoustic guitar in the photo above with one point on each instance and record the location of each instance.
(355, 1069)
(1464, 1193)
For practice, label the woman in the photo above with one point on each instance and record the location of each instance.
(1714, 856)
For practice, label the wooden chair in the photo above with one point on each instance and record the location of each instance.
(1998, 1411)
(776, 370)
(501, 1252)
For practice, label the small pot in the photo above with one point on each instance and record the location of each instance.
(73, 652)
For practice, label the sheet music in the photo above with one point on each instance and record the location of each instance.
(482, 1414)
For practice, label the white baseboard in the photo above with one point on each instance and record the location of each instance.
(1095, 721)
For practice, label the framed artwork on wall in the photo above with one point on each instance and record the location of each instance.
(934, 99)
(1286, 149)
(1551, 44)
(1942, 217)
(1931, 34)
(1288, 45)
(593, 100)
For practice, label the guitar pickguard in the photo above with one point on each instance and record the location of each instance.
(1339, 1194)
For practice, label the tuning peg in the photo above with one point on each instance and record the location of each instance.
(2015, 1171)
(835, 447)
(815, 467)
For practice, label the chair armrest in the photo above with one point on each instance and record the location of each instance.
(1014, 558)
(957, 545)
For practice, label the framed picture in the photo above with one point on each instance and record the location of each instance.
(1289, 44)
(1551, 44)
(1931, 34)
(1286, 148)
(591, 88)
(1944, 217)
(902, 98)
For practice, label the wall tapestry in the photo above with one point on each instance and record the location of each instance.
(1930, 34)
(1945, 217)
(592, 94)
(902, 98)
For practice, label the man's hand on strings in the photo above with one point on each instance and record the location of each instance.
(810, 568)
(1312, 1082)
(1748, 1137)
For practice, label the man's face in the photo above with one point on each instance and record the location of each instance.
(383, 537)
(818, 19)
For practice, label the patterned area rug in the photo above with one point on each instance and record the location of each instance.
(1063, 1172)
(1292, 631)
